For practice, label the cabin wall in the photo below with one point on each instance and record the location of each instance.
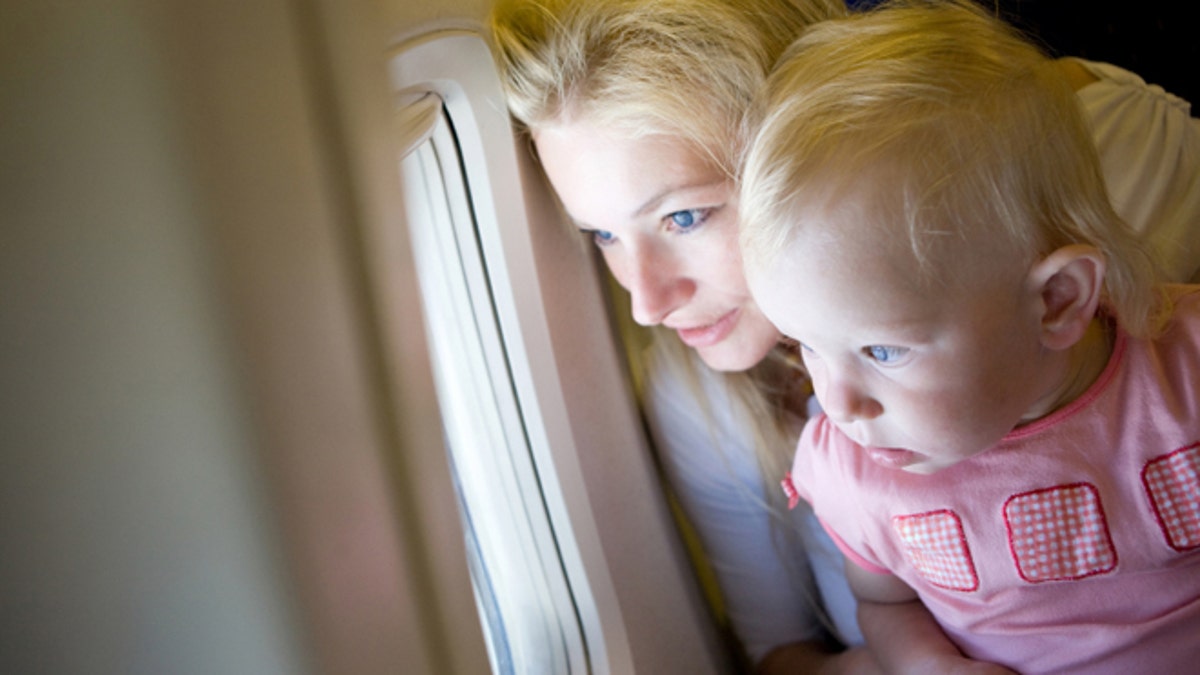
(203, 470)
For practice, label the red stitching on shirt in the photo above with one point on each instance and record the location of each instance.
(789, 489)
(1173, 485)
(1059, 533)
(936, 547)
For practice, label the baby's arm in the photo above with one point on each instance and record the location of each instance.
(901, 633)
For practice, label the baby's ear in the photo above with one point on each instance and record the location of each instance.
(1070, 282)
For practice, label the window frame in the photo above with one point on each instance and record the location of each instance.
(577, 460)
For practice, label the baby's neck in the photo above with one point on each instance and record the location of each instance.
(1084, 363)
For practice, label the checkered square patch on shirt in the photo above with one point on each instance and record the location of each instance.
(1173, 483)
(935, 545)
(1059, 533)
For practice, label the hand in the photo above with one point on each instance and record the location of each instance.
(810, 658)
(956, 665)
(902, 635)
(857, 661)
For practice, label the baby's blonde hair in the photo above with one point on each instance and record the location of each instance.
(945, 122)
(682, 68)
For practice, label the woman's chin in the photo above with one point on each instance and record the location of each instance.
(734, 356)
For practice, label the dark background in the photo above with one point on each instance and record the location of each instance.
(1149, 37)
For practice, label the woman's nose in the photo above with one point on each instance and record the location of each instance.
(656, 285)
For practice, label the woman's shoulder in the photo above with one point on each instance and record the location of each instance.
(1096, 79)
(701, 425)
(1149, 148)
(678, 390)
(689, 411)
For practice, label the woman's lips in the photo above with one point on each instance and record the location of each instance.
(713, 333)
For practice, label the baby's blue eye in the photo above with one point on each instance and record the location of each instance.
(885, 354)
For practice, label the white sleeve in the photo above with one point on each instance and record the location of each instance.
(1149, 148)
(710, 463)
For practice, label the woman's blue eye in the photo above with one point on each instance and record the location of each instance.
(683, 218)
(885, 354)
(602, 237)
(689, 218)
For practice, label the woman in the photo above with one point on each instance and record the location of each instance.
(635, 108)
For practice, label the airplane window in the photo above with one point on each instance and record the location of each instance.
(507, 522)
(524, 601)
(575, 561)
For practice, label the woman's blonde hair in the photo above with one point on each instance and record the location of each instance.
(946, 121)
(687, 69)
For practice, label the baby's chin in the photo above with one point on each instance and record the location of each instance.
(926, 464)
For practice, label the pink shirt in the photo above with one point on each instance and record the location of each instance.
(1073, 545)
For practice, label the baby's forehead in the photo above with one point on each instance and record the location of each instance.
(851, 229)
(875, 286)
(881, 231)
(828, 300)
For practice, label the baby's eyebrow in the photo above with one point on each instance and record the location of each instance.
(901, 333)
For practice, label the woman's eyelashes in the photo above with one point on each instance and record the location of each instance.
(688, 219)
(680, 222)
(601, 237)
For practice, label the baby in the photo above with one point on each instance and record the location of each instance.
(1011, 404)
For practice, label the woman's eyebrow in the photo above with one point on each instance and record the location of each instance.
(653, 202)
(576, 223)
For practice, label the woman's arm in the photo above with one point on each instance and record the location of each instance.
(811, 658)
(901, 633)
(708, 455)
(902, 637)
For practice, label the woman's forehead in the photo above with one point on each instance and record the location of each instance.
(588, 165)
